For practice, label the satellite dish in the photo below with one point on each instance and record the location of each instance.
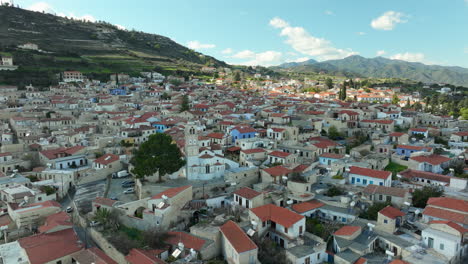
(352, 204)
(164, 197)
(289, 202)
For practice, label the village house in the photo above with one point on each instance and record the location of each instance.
(248, 198)
(364, 176)
(282, 225)
(237, 247)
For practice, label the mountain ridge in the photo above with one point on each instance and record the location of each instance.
(380, 67)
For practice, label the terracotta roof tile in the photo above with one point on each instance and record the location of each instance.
(307, 206)
(238, 239)
(280, 215)
(391, 212)
(247, 193)
(171, 192)
(347, 230)
(370, 172)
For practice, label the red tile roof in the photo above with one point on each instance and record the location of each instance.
(92, 255)
(379, 121)
(279, 154)
(251, 151)
(418, 129)
(238, 239)
(247, 193)
(348, 112)
(44, 248)
(418, 148)
(397, 134)
(446, 214)
(361, 260)
(391, 212)
(106, 159)
(409, 174)
(216, 135)
(55, 153)
(171, 192)
(450, 203)
(332, 156)
(189, 240)
(277, 171)
(307, 206)
(140, 256)
(431, 159)
(398, 261)
(280, 215)
(453, 225)
(370, 172)
(244, 129)
(58, 219)
(347, 230)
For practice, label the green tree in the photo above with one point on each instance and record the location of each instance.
(464, 113)
(395, 99)
(420, 196)
(108, 218)
(185, 104)
(373, 210)
(157, 154)
(333, 133)
(237, 76)
(329, 83)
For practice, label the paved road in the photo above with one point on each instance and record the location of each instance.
(84, 236)
(116, 191)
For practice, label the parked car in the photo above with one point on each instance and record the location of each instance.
(128, 185)
(114, 198)
(128, 191)
(69, 209)
(128, 182)
(94, 223)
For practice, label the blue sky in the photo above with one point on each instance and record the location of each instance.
(272, 32)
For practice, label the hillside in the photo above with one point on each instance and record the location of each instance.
(99, 48)
(379, 67)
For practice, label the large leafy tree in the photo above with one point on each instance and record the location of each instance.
(329, 83)
(420, 196)
(185, 104)
(157, 154)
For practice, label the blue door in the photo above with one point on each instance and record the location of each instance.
(352, 180)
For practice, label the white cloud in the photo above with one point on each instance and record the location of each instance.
(381, 52)
(227, 51)
(47, 8)
(41, 7)
(245, 54)
(361, 33)
(278, 23)
(195, 44)
(302, 59)
(388, 20)
(301, 41)
(266, 58)
(328, 12)
(120, 27)
(408, 56)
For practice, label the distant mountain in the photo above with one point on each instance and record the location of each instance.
(91, 47)
(380, 67)
(295, 64)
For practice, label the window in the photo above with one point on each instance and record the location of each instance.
(358, 180)
(318, 256)
(263, 223)
(300, 230)
(385, 221)
(380, 197)
(286, 230)
(441, 246)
